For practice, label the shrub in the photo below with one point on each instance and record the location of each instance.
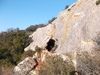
(38, 49)
(69, 9)
(97, 2)
(12, 44)
(66, 6)
(50, 21)
(54, 65)
(89, 64)
(33, 28)
(54, 48)
(28, 53)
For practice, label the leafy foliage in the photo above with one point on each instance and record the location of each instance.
(38, 49)
(33, 28)
(28, 53)
(50, 21)
(54, 65)
(69, 9)
(66, 6)
(12, 44)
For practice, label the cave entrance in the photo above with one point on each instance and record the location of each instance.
(50, 44)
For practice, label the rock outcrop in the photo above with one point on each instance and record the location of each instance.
(24, 67)
(41, 37)
(76, 31)
(76, 27)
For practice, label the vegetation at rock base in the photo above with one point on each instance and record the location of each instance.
(54, 65)
(54, 48)
(12, 44)
(38, 49)
(97, 2)
(91, 64)
(28, 53)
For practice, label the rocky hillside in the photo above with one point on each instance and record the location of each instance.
(76, 33)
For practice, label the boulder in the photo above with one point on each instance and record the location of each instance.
(24, 67)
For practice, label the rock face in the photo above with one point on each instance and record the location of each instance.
(41, 37)
(76, 31)
(76, 27)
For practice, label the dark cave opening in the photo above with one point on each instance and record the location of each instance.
(50, 44)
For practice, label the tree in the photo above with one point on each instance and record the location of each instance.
(12, 44)
(33, 28)
(50, 21)
(66, 6)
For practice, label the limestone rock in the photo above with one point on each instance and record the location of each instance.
(76, 31)
(41, 37)
(24, 67)
(72, 29)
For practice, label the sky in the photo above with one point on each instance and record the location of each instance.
(23, 13)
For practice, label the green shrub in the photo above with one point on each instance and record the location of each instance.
(50, 21)
(33, 28)
(89, 64)
(69, 9)
(54, 48)
(38, 49)
(28, 53)
(12, 44)
(54, 65)
(97, 2)
(66, 6)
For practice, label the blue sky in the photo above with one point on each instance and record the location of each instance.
(23, 13)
